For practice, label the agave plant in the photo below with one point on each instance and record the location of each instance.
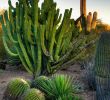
(57, 87)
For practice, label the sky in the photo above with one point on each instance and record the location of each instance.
(101, 6)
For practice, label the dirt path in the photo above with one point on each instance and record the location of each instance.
(74, 71)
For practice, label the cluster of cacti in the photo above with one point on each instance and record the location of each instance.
(88, 22)
(57, 87)
(91, 21)
(102, 67)
(37, 34)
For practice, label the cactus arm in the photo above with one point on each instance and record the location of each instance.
(29, 33)
(10, 4)
(47, 25)
(65, 24)
(23, 61)
(42, 41)
(34, 55)
(52, 41)
(58, 20)
(37, 34)
(24, 52)
(8, 28)
(11, 18)
(7, 48)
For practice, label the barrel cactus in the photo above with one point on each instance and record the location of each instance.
(33, 94)
(16, 88)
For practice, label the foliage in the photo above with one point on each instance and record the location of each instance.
(33, 94)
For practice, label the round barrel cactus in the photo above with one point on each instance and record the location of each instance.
(33, 94)
(16, 88)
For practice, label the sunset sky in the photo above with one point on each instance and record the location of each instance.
(101, 6)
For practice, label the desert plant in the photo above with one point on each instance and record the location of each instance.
(35, 45)
(58, 87)
(15, 89)
(101, 67)
(33, 94)
(2, 49)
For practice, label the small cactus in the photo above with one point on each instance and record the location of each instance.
(15, 89)
(33, 94)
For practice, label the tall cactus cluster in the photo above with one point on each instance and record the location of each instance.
(88, 22)
(102, 67)
(91, 21)
(38, 34)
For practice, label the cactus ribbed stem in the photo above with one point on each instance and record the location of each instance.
(83, 7)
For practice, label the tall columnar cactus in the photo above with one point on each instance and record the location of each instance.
(102, 67)
(87, 21)
(38, 35)
(102, 58)
(83, 7)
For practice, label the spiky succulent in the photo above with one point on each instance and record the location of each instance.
(57, 87)
(33, 94)
(37, 80)
(16, 88)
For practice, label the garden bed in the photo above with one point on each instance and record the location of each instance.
(75, 71)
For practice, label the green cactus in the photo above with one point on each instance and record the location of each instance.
(102, 58)
(16, 88)
(102, 67)
(33, 94)
(37, 34)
